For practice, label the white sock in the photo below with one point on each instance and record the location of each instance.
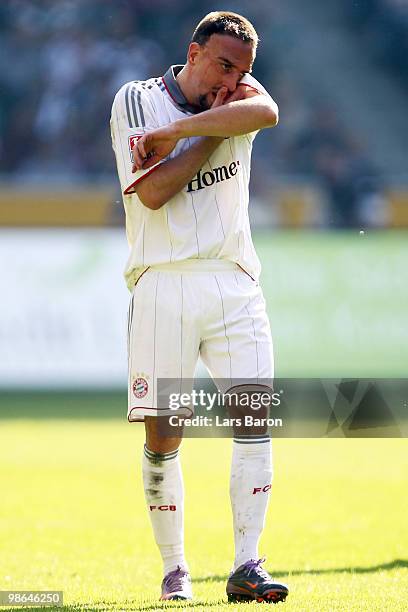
(164, 493)
(250, 484)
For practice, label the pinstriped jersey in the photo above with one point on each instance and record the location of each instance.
(208, 218)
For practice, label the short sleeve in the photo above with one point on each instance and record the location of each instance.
(249, 80)
(132, 116)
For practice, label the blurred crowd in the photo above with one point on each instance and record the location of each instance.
(62, 62)
(384, 25)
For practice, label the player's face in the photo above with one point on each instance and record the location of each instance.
(222, 61)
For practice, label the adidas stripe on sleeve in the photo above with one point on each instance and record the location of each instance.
(132, 116)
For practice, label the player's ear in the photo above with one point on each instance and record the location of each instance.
(193, 53)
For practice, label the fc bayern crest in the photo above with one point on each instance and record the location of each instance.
(140, 387)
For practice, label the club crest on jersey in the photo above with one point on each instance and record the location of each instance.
(140, 387)
(132, 141)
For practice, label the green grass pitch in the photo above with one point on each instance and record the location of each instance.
(72, 515)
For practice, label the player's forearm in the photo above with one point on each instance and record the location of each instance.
(173, 175)
(234, 119)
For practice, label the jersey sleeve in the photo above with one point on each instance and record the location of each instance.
(132, 116)
(249, 80)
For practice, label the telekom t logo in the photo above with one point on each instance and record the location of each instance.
(264, 489)
(132, 141)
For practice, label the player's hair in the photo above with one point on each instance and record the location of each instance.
(227, 23)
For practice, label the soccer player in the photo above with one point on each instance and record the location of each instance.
(183, 149)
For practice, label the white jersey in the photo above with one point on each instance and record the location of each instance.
(208, 219)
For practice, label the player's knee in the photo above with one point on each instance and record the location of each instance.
(249, 407)
(159, 437)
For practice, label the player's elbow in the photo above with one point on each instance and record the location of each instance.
(271, 115)
(148, 197)
(151, 202)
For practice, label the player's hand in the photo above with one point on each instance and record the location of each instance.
(153, 147)
(242, 92)
(220, 98)
(223, 97)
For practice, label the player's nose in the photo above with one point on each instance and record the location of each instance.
(230, 82)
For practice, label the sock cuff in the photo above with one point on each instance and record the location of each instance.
(159, 457)
(250, 440)
(249, 445)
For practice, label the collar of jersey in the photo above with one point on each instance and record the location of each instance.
(173, 88)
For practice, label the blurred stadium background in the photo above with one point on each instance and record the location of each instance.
(329, 203)
(329, 211)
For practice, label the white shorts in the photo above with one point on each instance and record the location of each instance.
(182, 311)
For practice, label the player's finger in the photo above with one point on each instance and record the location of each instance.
(222, 94)
(142, 149)
(137, 160)
(151, 160)
(219, 98)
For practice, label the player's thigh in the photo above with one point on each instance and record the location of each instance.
(163, 340)
(237, 347)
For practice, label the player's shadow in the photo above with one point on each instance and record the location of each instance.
(128, 604)
(371, 569)
(182, 605)
(137, 605)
